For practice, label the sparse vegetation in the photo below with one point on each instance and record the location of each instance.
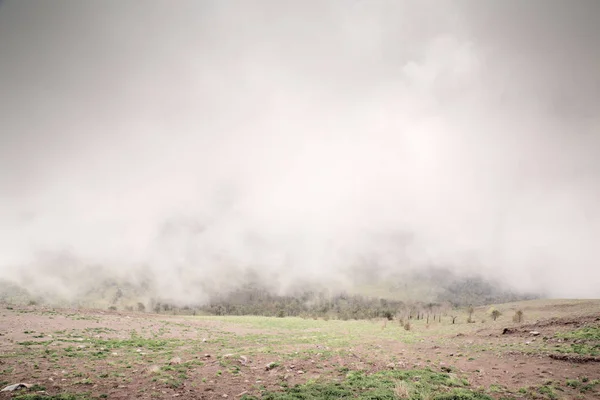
(320, 357)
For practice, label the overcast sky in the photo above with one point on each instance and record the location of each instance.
(200, 139)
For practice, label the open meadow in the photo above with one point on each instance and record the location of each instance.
(93, 354)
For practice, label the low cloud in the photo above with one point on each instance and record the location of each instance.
(195, 145)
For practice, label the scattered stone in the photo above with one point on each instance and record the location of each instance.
(207, 356)
(175, 361)
(16, 386)
(270, 366)
(575, 358)
(300, 372)
(244, 360)
(153, 369)
(229, 355)
(534, 333)
(224, 396)
(391, 365)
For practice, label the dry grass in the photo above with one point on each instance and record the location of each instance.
(402, 390)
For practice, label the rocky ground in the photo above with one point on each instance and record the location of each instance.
(92, 354)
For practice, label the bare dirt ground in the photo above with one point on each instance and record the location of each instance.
(121, 355)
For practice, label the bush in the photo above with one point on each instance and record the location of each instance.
(495, 314)
(388, 314)
(407, 326)
(518, 317)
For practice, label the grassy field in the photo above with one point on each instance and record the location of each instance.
(92, 354)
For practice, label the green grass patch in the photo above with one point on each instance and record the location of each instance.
(587, 333)
(415, 385)
(583, 349)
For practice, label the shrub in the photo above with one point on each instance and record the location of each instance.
(470, 311)
(518, 317)
(495, 314)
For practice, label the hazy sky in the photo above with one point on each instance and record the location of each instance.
(200, 139)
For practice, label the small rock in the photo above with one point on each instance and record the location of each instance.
(153, 369)
(224, 396)
(228, 355)
(391, 365)
(175, 361)
(244, 360)
(270, 366)
(534, 333)
(16, 386)
(300, 372)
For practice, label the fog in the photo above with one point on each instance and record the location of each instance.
(195, 142)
